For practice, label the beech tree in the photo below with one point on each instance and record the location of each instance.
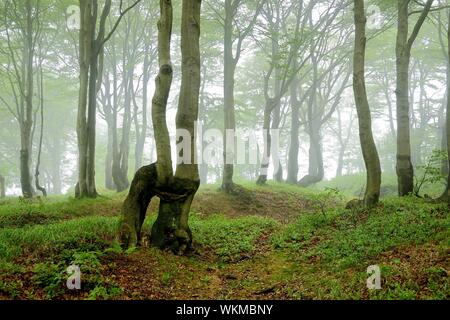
(175, 190)
(446, 194)
(91, 55)
(369, 150)
(404, 43)
(2, 187)
(22, 25)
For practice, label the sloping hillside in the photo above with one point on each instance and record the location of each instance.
(274, 242)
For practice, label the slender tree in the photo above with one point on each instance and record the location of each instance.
(22, 25)
(446, 194)
(369, 150)
(231, 59)
(91, 53)
(404, 43)
(2, 187)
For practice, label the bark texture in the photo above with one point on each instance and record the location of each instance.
(404, 43)
(175, 191)
(369, 149)
(2, 187)
(446, 195)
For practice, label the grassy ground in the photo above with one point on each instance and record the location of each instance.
(273, 242)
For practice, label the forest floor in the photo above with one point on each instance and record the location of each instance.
(273, 242)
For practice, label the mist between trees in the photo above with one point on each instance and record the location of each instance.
(91, 90)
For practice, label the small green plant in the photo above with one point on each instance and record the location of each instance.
(327, 199)
(431, 171)
(104, 292)
(166, 278)
(49, 276)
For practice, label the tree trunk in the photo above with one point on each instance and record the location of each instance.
(140, 139)
(87, 31)
(27, 118)
(41, 136)
(262, 178)
(404, 167)
(446, 194)
(2, 187)
(176, 192)
(315, 158)
(292, 174)
(229, 67)
(369, 150)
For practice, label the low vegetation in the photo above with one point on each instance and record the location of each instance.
(316, 250)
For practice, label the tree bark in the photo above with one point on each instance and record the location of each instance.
(446, 195)
(229, 68)
(27, 117)
(140, 138)
(41, 135)
(176, 192)
(369, 150)
(292, 170)
(91, 68)
(2, 187)
(404, 167)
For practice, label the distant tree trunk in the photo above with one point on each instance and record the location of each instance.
(229, 67)
(27, 117)
(87, 33)
(446, 194)
(405, 170)
(315, 159)
(142, 133)
(41, 135)
(443, 130)
(278, 174)
(176, 192)
(292, 169)
(269, 105)
(121, 158)
(2, 187)
(91, 53)
(120, 161)
(369, 150)
(110, 112)
(343, 141)
(109, 183)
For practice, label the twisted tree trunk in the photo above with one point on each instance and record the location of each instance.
(176, 192)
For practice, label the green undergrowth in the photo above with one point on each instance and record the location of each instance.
(322, 254)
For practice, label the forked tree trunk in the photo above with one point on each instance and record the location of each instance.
(91, 69)
(404, 167)
(176, 192)
(369, 150)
